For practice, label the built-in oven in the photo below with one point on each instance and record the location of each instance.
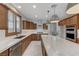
(71, 33)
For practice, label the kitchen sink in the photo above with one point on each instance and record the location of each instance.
(19, 37)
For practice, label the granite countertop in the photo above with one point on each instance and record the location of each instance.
(56, 46)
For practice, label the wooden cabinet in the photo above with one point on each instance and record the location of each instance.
(27, 41)
(28, 25)
(15, 50)
(5, 53)
(36, 37)
(23, 25)
(20, 47)
(45, 26)
(3, 17)
(73, 20)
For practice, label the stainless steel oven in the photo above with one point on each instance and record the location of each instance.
(71, 33)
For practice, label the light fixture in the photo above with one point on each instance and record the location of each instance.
(19, 7)
(36, 16)
(72, 8)
(54, 16)
(46, 16)
(34, 6)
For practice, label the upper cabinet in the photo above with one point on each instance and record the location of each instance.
(28, 25)
(10, 21)
(3, 16)
(73, 20)
(45, 26)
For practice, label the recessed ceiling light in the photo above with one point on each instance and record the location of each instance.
(34, 6)
(19, 7)
(46, 16)
(36, 16)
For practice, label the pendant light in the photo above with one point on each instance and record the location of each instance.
(54, 17)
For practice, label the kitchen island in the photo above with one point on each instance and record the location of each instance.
(56, 46)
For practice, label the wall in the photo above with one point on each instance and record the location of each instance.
(2, 34)
(62, 32)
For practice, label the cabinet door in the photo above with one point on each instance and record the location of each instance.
(45, 26)
(36, 37)
(5, 53)
(3, 17)
(29, 25)
(25, 43)
(15, 50)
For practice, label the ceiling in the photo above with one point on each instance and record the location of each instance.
(42, 12)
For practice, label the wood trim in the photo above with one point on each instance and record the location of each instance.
(9, 8)
(69, 17)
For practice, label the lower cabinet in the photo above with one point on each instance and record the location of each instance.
(19, 48)
(16, 50)
(5, 53)
(25, 43)
(36, 37)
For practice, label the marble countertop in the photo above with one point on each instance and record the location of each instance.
(9, 41)
(56, 46)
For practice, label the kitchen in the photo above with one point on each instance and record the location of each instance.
(39, 29)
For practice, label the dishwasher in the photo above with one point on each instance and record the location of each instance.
(16, 50)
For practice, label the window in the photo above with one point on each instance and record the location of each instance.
(11, 22)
